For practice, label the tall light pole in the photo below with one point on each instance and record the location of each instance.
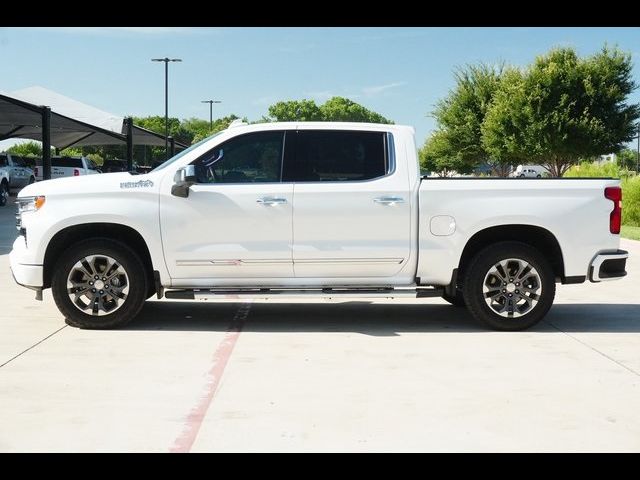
(210, 102)
(166, 61)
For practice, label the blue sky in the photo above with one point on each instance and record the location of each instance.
(398, 72)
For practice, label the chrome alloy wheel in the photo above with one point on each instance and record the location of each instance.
(512, 288)
(98, 285)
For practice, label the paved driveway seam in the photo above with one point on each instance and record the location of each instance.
(32, 346)
(595, 350)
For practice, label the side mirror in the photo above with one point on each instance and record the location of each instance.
(184, 178)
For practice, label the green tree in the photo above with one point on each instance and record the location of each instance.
(29, 149)
(440, 156)
(218, 124)
(339, 109)
(155, 123)
(336, 109)
(295, 111)
(627, 159)
(563, 108)
(460, 115)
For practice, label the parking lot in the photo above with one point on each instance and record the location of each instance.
(324, 376)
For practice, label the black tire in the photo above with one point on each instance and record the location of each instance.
(129, 261)
(479, 268)
(32, 180)
(457, 300)
(4, 193)
(538, 176)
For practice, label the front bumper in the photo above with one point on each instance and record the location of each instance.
(27, 275)
(608, 266)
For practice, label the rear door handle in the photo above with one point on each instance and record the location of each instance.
(388, 200)
(271, 201)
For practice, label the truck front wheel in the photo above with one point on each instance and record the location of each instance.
(99, 283)
(509, 286)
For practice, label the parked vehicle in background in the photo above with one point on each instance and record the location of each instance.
(142, 169)
(530, 171)
(114, 165)
(4, 186)
(19, 174)
(62, 166)
(30, 162)
(319, 209)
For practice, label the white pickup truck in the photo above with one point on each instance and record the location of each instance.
(19, 174)
(62, 166)
(314, 209)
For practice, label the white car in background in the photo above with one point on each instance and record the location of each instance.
(530, 171)
(19, 174)
(62, 166)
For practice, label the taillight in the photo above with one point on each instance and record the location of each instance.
(615, 218)
(76, 172)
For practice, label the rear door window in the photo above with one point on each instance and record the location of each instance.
(338, 156)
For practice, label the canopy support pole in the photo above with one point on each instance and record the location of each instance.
(46, 143)
(172, 144)
(129, 135)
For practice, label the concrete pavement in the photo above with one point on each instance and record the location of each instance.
(326, 376)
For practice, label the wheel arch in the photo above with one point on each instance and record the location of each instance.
(537, 237)
(112, 231)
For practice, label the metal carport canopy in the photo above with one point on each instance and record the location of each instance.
(40, 114)
(19, 119)
(92, 126)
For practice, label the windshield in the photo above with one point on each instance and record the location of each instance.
(184, 152)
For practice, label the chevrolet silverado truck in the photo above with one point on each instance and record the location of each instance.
(313, 209)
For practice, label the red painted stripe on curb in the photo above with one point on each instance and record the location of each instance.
(221, 356)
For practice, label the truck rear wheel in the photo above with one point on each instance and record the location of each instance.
(509, 286)
(99, 283)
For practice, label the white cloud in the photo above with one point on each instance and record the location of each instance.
(375, 90)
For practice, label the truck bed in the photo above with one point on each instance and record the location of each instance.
(454, 210)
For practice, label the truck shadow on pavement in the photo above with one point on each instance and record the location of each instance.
(369, 318)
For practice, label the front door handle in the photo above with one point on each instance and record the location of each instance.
(388, 200)
(271, 201)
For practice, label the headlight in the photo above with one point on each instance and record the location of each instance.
(30, 204)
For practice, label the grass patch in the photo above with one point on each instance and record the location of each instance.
(632, 233)
(630, 183)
